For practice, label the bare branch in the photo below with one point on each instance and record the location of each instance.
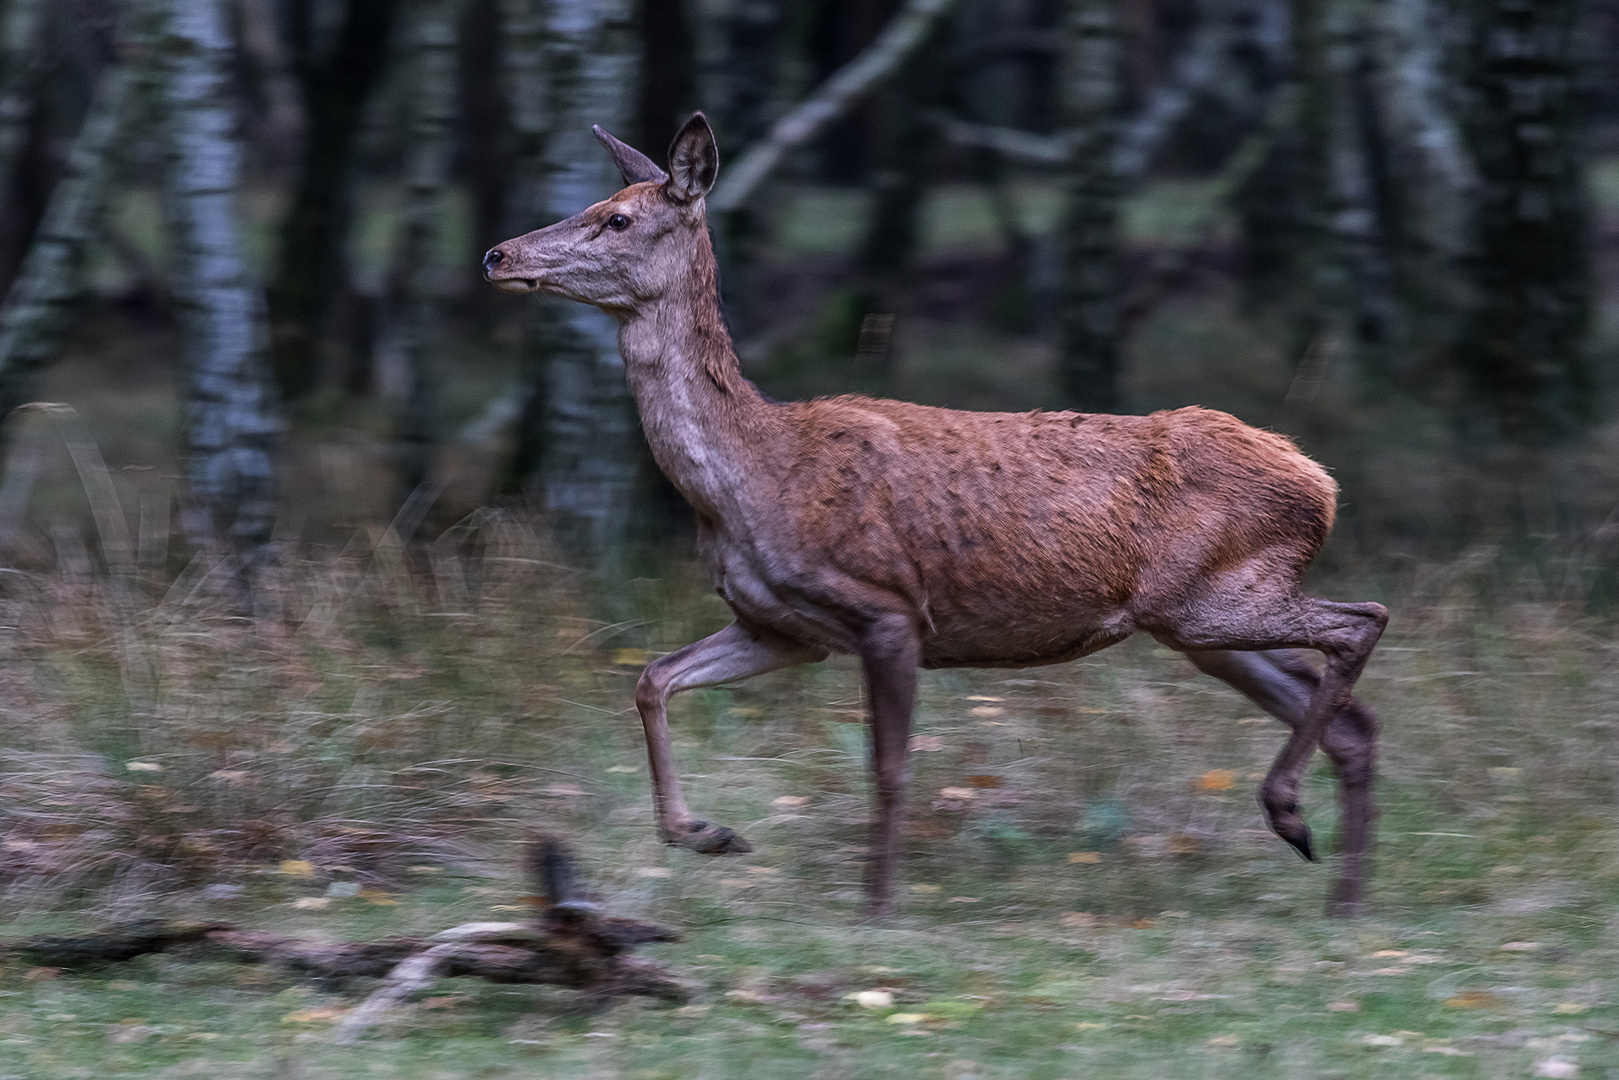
(830, 100)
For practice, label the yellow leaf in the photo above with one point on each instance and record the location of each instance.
(1084, 856)
(312, 903)
(313, 1016)
(790, 800)
(1143, 924)
(631, 657)
(143, 766)
(1472, 999)
(1568, 1008)
(298, 867)
(1217, 780)
(1224, 1040)
(624, 768)
(1089, 1025)
(908, 1018)
(873, 999)
(1079, 920)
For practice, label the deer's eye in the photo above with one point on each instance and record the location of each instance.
(618, 223)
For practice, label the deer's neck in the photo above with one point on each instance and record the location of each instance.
(708, 426)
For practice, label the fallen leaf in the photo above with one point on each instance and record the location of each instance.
(1079, 920)
(631, 657)
(926, 743)
(1089, 1025)
(1568, 1008)
(1181, 844)
(312, 903)
(986, 780)
(324, 1015)
(624, 768)
(1502, 774)
(1343, 1006)
(983, 697)
(988, 710)
(1384, 953)
(1557, 1069)
(960, 794)
(1447, 1051)
(1521, 946)
(298, 868)
(1143, 924)
(440, 1002)
(1473, 999)
(766, 870)
(1084, 856)
(1381, 1040)
(964, 899)
(1217, 780)
(1223, 1040)
(925, 888)
(42, 974)
(790, 800)
(654, 871)
(143, 766)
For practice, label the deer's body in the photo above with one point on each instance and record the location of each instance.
(922, 537)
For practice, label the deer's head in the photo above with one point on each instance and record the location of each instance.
(624, 252)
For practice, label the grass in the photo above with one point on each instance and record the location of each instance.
(1090, 890)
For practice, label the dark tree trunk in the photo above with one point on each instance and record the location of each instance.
(1523, 353)
(667, 93)
(310, 270)
(485, 137)
(842, 28)
(1088, 350)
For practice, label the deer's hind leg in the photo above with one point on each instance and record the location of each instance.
(1247, 613)
(1282, 682)
(731, 655)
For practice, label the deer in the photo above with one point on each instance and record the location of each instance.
(915, 537)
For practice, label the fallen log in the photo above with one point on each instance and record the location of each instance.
(568, 943)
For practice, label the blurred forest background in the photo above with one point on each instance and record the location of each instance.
(241, 239)
(326, 569)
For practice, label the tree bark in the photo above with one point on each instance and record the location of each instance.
(310, 267)
(1088, 349)
(1523, 355)
(588, 475)
(418, 313)
(231, 418)
(37, 306)
(21, 37)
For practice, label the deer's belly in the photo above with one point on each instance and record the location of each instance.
(1010, 641)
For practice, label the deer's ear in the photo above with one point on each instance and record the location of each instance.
(694, 161)
(634, 166)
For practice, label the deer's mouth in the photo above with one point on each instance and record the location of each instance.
(516, 284)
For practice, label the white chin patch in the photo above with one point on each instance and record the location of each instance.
(516, 285)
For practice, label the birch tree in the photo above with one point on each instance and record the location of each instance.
(417, 314)
(1088, 349)
(231, 418)
(38, 305)
(588, 469)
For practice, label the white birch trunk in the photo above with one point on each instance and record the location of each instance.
(432, 112)
(36, 309)
(589, 467)
(231, 415)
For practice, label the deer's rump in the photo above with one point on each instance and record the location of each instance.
(1023, 538)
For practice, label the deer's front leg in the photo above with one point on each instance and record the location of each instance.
(734, 653)
(889, 655)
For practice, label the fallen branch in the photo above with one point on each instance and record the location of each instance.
(901, 37)
(568, 944)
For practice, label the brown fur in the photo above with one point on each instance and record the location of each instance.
(916, 536)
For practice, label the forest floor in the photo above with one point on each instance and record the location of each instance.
(1089, 892)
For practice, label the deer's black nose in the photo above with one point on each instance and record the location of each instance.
(491, 259)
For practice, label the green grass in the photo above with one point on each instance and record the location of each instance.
(407, 737)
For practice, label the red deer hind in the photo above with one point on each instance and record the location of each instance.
(916, 537)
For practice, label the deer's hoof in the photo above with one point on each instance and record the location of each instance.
(706, 839)
(1286, 823)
